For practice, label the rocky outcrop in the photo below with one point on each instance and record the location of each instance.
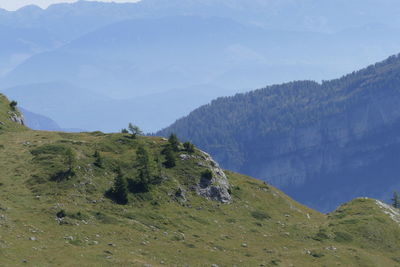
(215, 187)
(16, 117)
(393, 213)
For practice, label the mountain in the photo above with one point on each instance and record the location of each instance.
(154, 48)
(310, 15)
(201, 57)
(75, 107)
(18, 44)
(39, 122)
(185, 51)
(111, 199)
(323, 144)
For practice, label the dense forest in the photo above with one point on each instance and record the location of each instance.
(294, 126)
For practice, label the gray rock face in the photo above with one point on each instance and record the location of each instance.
(16, 117)
(216, 188)
(393, 213)
(338, 157)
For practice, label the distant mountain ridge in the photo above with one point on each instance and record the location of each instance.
(320, 143)
(324, 16)
(156, 48)
(36, 121)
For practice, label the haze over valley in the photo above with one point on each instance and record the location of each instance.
(129, 56)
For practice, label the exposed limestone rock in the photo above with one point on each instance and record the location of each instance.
(216, 188)
(393, 213)
(17, 118)
(180, 195)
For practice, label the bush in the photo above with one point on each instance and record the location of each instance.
(207, 174)
(321, 235)
(98, 160)
(259, 215)
(61, 214)
(13, 105)
(189, 147)
(343, 237)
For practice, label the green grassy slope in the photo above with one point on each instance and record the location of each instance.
(260, 227)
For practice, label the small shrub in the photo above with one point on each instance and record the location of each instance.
(321, 235)
(275, 262)
(189, 147)
(259, 215)
(316, 254)
(343, 237)
(104, 218)
(61, 214)
(207, 174)
(13, 105)
(78, 216)
(98, 159)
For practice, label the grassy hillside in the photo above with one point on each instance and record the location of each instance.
(54, 210)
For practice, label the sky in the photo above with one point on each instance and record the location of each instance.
(16, 4)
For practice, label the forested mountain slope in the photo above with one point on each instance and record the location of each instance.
(321, 143)
(115, 199)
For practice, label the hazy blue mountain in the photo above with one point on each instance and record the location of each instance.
(18, 44)
(61, 101)
(149, 49)
(139, 57)
(320, 143)
(76, 108)
(72, 20)
(39, 122)
(98, 46)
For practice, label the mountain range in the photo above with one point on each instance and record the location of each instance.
(131, 51)
(322, 143)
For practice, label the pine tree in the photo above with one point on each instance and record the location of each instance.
(189, 147)
(173, 142)
(170, 159)
(120, 190)
(146, 167)
(70, 161)
(396, 200)
(98, 159)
